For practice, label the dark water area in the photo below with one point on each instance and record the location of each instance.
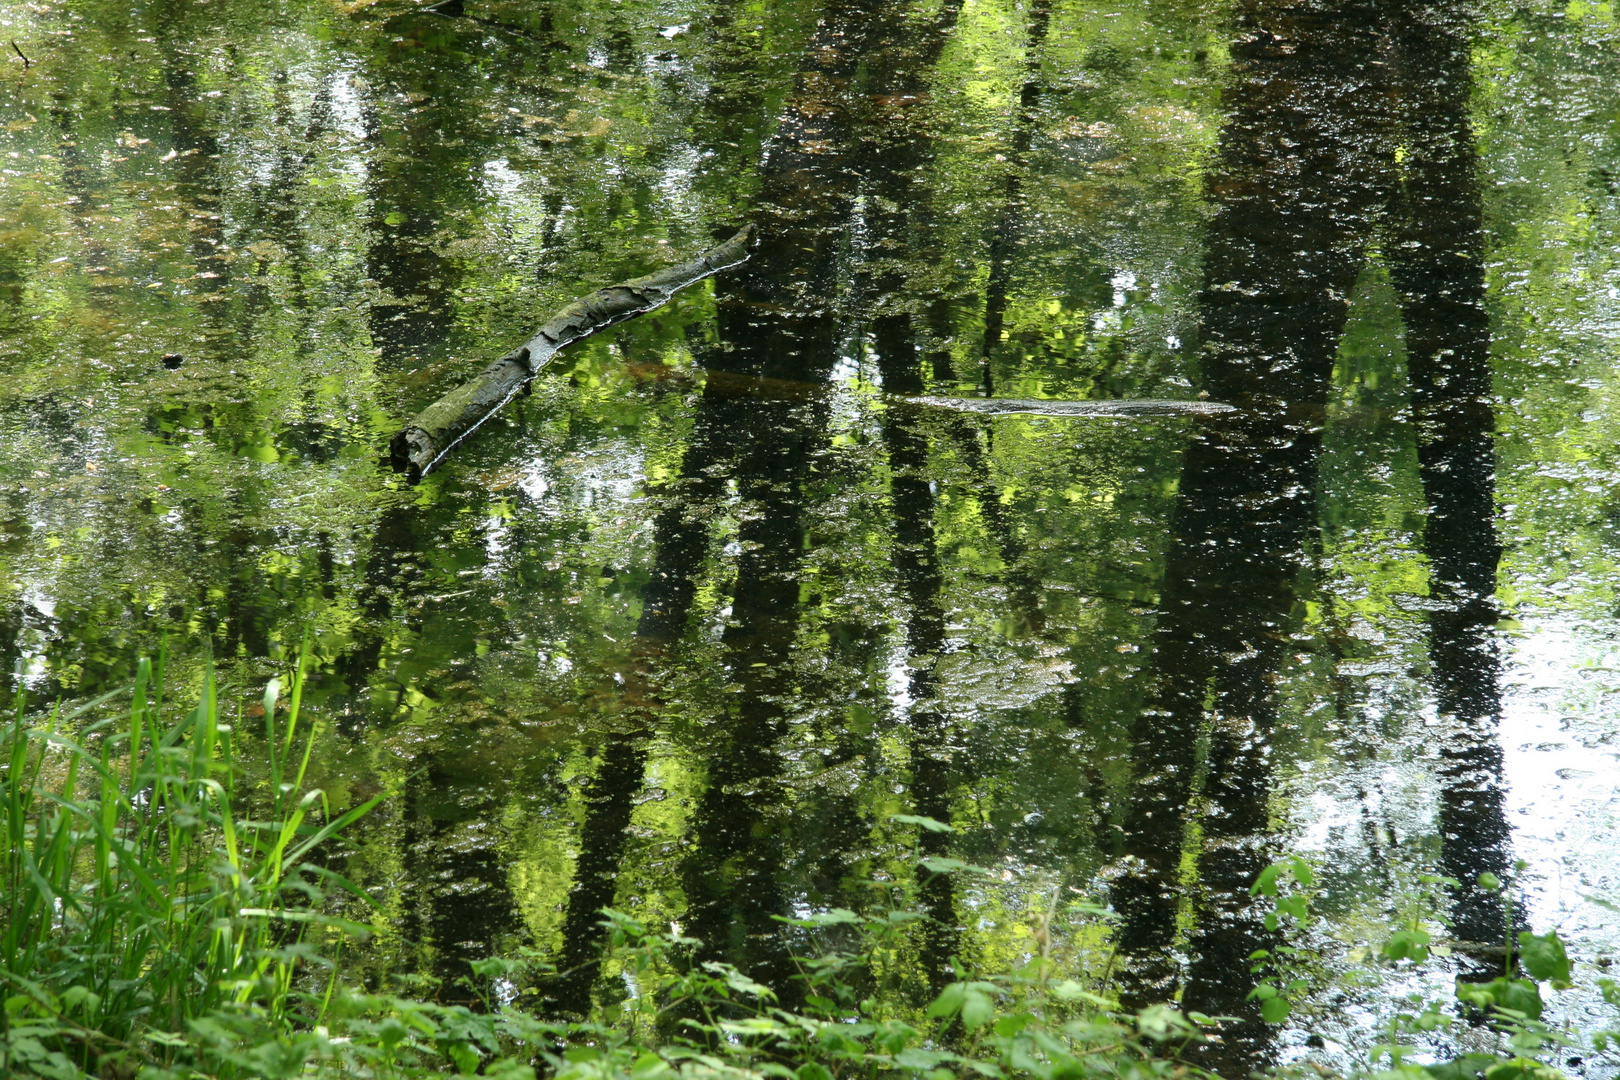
(682, 630)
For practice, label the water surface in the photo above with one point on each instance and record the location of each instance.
(683, 629)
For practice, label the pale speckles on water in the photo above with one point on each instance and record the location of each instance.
(1289, 524)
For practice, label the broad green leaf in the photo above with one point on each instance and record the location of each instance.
(949, 1002)
(1520, 996)
(465, 1057)
(918, 1060)
(1161, 1022)
(931, 824)
(1516, 995)
(1543, 956)
(1266, 883)
(977, 1009)
(1408, 945)
(1070, 990)
(1520, 1069)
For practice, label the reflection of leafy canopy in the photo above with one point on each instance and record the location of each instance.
(378, 193)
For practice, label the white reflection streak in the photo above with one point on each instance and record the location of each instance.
(899, 681)
(501, 181)
(1123, 282)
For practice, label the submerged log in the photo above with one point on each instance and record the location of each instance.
(1026, 407)
(770, 388)
(433, 432)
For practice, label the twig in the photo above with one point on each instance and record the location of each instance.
(27, 63)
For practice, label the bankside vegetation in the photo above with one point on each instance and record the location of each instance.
(167, 916)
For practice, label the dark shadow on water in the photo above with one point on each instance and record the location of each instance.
(902, 227)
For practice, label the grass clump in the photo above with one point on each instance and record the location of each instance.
(144, 913)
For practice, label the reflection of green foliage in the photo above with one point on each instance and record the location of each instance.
(387, 198)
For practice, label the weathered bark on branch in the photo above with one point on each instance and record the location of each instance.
(422, 443)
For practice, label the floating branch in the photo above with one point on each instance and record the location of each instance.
(729, 384)
(1022, 407)
(765, 388)
(434, 431)
(27, 63)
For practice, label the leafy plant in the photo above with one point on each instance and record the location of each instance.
(141, 906)
(1511, 1004)
(1288, 884)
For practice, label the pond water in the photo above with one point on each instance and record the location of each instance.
(683, 629)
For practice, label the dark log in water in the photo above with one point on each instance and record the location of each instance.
(433, 432)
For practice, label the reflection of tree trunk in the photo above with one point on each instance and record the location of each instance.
(462, 903)
(196, 166)
(1437, 261)
(904, 236)
(1293, 188)
(1023, 590)
(681, 542)
(774, 321)
(13, 616)
(733, 878)
(391, 562)
(277, 207)
(1004, 237)
(193, 131)
(423, 130)
(77, 179)
(419, 174)
(1301, 168)
(916, 564)
(898, 151)
(609, 802)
